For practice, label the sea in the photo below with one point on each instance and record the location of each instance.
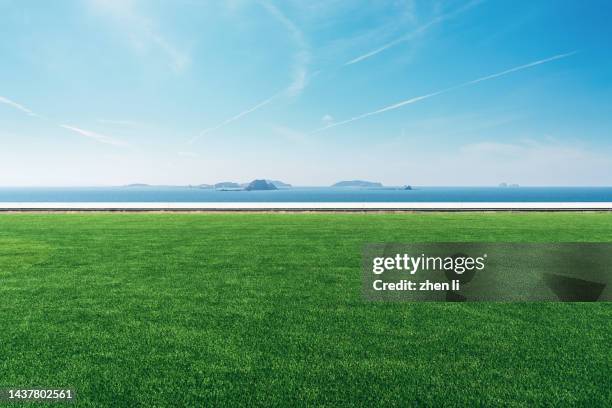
(306, 194)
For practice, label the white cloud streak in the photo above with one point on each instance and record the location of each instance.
(87, 133)
(452, 88)
(521, 67)
(299, 76)
(95, 136)
(18, 106)
(413, 34)
(302, 57)
(234, 118)
(141, 30)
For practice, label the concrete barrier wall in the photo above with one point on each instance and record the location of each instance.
(343, 206)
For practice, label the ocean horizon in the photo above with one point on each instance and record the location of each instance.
(178, 194)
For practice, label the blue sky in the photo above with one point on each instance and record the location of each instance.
(458, 92)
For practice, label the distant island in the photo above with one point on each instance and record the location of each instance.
(260, 185)
(267, 184)
(279, 184)
(227, 184)
(137, 185)
(357, 183)
(504, 185)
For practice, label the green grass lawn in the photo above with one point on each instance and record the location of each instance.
(266, 309)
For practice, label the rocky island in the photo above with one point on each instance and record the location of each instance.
(279, 184)
(260, 185)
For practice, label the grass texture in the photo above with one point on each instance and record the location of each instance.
(266, 310)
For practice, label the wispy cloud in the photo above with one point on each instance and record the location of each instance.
(141, 30)
(301, 57)
(420, 30)
(299, 75)
(95, 136)
(452, 88)
(18, 106)
(521, 67)
(327, 119)
(234, 118)
(83, 132)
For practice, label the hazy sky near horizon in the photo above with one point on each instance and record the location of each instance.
(457, 92)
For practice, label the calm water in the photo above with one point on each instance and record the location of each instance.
(309, 194)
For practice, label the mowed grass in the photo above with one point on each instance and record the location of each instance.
(266, 310)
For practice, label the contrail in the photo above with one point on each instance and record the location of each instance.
(452, 88)
(83, 132)
(301, 59)
(531, 64)
(95, 136)
(416, 32)
(18, 106)
(234, 118)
